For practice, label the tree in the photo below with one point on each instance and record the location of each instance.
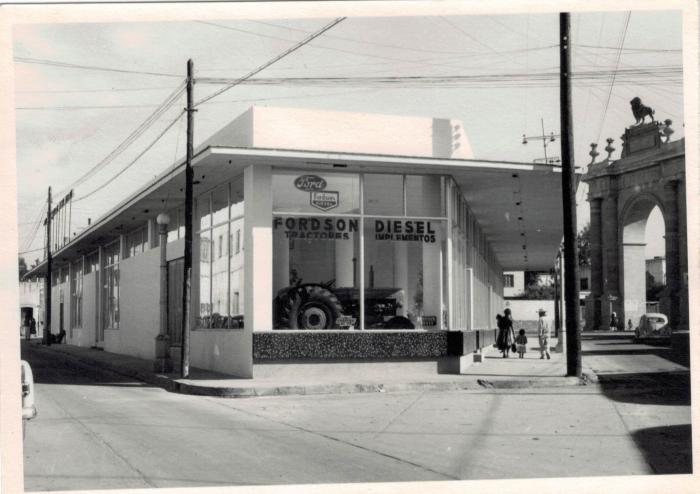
(22, 267)
(654, 289)
(583, 240)
(535, 289)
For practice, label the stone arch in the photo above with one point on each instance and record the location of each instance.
(633, 222)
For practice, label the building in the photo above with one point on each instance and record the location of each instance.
(656, 267)
(373, 229)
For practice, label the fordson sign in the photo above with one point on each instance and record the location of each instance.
(325, 200)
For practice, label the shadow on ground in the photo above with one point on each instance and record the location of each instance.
(667, 388)
(667, 449)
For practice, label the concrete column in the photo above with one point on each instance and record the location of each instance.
(432, 281)
(344, 253)
(258, 255)
(99, 279)
(611, 261)
(152, 229)
(280, 270)
(401, 268)
(163, 362)
(596, 245)
(672, 253)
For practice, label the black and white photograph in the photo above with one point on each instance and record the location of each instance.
(349, 246)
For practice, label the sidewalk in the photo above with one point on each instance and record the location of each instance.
(347, 377)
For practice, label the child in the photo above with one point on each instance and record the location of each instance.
(521, 342)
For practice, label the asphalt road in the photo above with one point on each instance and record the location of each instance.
(96, 430)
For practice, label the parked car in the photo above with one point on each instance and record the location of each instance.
(28, 407)
(652, 325)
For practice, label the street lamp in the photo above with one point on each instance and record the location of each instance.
(163, 362)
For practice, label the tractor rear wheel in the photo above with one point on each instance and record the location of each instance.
(310, 307)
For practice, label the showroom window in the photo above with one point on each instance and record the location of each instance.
(358, 251)
(110, 287)
(219, 217)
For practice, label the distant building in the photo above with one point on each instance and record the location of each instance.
(656, 267)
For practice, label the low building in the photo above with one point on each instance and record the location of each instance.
(376, 230)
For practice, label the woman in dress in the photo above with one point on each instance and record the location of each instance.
(506, 337)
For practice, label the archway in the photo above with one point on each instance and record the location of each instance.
(635, 222)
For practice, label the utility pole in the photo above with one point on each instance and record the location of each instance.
(568, 189)
(187, 261)
(545, 139)
(47, 283)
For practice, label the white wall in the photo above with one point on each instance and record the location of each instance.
(85, 335)
(222, 350)
(139, 288)
(56, 308)
(526, 311)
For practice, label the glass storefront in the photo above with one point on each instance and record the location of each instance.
(219, 225)
(358, 251)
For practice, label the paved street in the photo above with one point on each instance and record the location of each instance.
(106, 431)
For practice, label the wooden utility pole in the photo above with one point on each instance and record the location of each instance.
(568, 181)
(47, 283)
(187, 261)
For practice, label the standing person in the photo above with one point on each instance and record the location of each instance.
(613, 322)
(506, 337)
(543, 333)
(32, 327)
(521, 343)
(24, 330)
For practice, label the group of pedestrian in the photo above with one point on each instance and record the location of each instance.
(507, 342)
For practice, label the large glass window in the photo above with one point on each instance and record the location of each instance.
(403, 273)
(297, 192)
(315, 272)
(137, 242)
(220, 221)
(381, 269)
(110, 287)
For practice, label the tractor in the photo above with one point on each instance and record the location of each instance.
(320, 306)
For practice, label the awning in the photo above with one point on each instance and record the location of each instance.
(518, 205)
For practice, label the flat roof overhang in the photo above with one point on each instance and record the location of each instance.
(518, 205)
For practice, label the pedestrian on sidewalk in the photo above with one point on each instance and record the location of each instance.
(521, 342)
(506, 337)
(32, 327)
(613, 322)
(543, 333)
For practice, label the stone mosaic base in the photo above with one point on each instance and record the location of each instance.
(366, 345)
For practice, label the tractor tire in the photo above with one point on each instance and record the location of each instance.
(309, 307)
(399, 322)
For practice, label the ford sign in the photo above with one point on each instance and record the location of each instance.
(310, 183)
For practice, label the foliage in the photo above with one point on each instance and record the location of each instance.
(583, 241)
(654, 289)
(535, 289)
(22, 264)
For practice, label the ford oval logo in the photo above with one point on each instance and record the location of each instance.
(310, 183)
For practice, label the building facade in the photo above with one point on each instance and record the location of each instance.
(314, 223)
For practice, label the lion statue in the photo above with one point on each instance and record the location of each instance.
(640, 111)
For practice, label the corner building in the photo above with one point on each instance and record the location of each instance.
(317, 236)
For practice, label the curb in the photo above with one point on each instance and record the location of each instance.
(472, 384)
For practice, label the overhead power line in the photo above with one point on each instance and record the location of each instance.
(145, 125)
(67, 65)
(132, 162)
(612, 82)
(664, 74)
(274, 60)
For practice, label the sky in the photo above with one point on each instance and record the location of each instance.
(82, 89)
